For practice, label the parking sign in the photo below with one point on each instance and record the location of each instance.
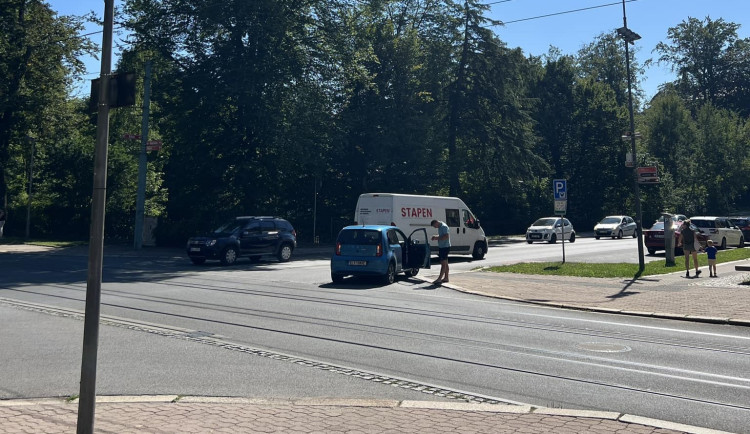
(560, 188)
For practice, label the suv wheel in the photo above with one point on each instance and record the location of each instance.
(285, 252)
(229, 256)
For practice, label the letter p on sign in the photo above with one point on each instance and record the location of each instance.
(560, 188)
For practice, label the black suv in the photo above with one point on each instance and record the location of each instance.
(249, 236)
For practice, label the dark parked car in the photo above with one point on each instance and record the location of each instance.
(249, 236)
(744, 224)
(654, 238)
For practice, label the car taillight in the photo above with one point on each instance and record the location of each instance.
(338, 249)
(379, 250)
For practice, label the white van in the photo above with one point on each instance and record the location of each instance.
(409, 212)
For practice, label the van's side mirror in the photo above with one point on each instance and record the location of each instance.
(476, 224)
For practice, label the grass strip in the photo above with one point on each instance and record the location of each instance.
(584, 269)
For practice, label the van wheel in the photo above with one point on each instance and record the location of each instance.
(285, 253)
(723, 244)
(390, 275)
(553, 239)
(572, 237)
(479, 251)
(229, 256)
(337, 278)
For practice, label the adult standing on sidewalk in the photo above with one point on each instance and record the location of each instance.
(444, 246)
(689, 242)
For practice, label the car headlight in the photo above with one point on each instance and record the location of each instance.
(210, 243)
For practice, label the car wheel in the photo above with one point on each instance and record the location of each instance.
(198, 261)
(635, 233)
(337, 278)
(553, 239)
(229, 256)
(411, 272)
(619, 235)
(723, 244)
(652, 252)
(742, 243)
(285, 253)
(478, 252)
(597, 237)
(529, 241)
(390, 275)
(572, 237)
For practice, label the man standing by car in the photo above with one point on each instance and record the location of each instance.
(444, 246)
(689, 243)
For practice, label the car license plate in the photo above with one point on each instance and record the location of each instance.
(658, 235)
(360, 263)
(195, 249)
(537, 236)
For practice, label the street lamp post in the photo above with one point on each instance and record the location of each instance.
(630, 37)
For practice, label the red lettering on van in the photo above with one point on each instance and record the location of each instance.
(416, 212)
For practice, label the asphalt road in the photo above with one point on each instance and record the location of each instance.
(283, 330)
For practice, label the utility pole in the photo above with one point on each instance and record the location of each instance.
(630, 37)
(140, 202)
(87, 396)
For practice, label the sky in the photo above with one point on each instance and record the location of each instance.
(535, 25)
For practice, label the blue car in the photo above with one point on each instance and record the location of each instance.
(377, 250)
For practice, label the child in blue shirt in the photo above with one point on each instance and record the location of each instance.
(711, 252)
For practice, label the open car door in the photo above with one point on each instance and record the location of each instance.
(419, 250)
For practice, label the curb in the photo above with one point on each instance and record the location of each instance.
(381, 403)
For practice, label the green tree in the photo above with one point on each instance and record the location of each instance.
(38, 59)
(711, 61)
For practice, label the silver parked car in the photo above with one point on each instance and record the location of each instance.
(550, 229)
(615, 226)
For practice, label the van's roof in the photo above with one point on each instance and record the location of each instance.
(405, 195)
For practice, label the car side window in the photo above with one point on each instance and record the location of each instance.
(253, 227)
(392, 237)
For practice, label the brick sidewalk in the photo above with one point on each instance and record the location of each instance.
(235, 415)
(721, 300)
